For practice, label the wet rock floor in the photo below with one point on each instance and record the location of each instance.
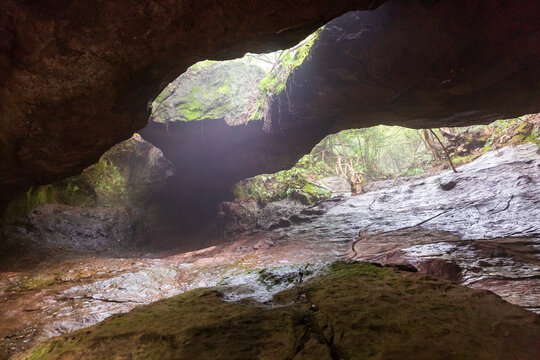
(347, 311)
(480, 228)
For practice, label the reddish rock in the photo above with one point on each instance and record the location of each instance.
(441, 268)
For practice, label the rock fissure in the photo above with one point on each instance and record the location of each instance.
(89, 297)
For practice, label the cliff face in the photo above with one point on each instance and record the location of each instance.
(76, 76)
(415, 64)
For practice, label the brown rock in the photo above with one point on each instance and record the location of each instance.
(441, 268)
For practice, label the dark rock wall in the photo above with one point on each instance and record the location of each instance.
(419, 64)
(78, 76)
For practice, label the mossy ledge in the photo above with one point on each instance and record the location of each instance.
(120, 178)
(354, 311)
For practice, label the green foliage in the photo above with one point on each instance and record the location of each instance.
(258, 113)
(379, 152)
(494, 136)
(276, 80)
(271, 84)
(413, 171)
(291, 183)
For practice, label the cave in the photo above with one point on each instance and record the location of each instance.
(306, 180)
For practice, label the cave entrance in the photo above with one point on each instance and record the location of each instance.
(184, 205)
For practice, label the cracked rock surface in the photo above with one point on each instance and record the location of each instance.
(483, 231)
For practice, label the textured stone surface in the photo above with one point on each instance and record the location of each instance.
(487, 224)
(76, 76)
(211, 90)
(355, 311)
(374, 225)
(497, 195)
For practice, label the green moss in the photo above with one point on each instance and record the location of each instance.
(166, 329)
(76, 191)
(462, 160)
(107, 179)
(23, 204)
(275, 82)
(203, 64)
(190, 113)
(40, 195)
(269, 84)
(342, 269)
(39, 352)
(225, 89)
(35, 281)
(532, 138)
(355, 311)
(212, 90)
(291, 183)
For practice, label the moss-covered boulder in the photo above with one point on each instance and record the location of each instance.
(105, 206)
(355, 311)
(212, 90)
(126, 175)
